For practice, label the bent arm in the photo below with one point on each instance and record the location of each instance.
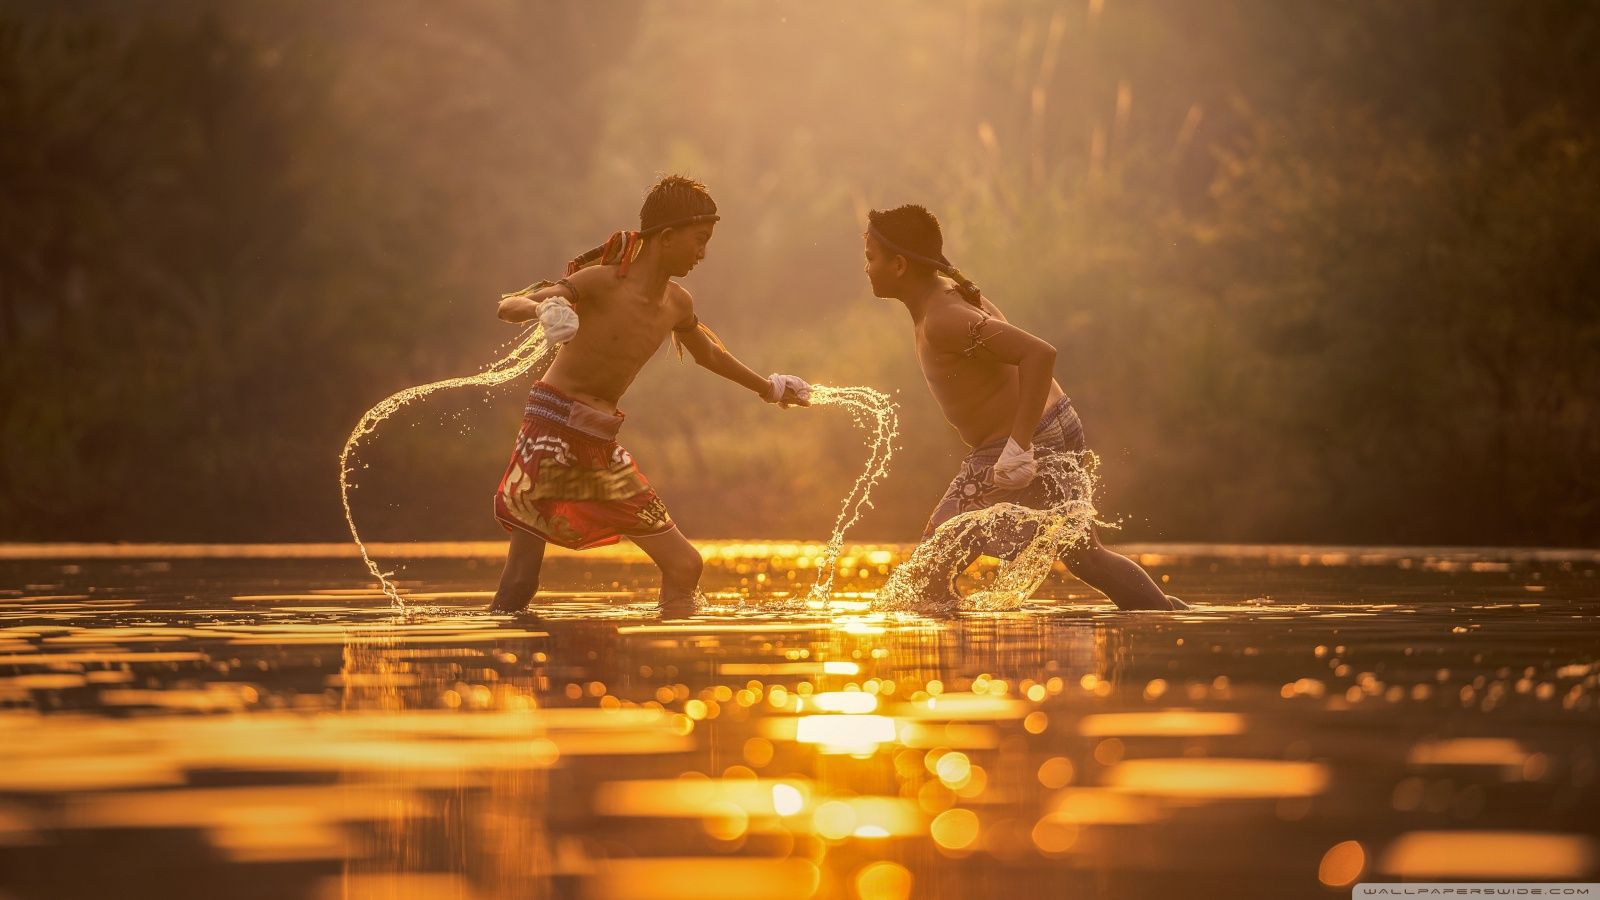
(525, 306)
(1035, 359)
(1035, 373)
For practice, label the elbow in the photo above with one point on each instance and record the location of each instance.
(505, 312)
(1038, 362)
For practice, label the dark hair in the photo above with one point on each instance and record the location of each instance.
(913, 232)
(910, 227)
(676, 201)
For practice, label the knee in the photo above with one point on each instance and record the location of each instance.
(1081, 561)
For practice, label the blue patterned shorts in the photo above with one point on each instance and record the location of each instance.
(1059, 430)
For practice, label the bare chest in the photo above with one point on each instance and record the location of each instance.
(624, 325)
(961, 381)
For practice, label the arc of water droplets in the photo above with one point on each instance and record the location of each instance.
(530, 351)
(872, 410)
(867, 407)
(923, 583)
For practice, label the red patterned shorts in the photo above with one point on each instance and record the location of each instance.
(570, 482)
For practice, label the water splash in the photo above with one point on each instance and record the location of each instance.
(868, 408)
(1029, 540)
(875, 412)
(531, 350)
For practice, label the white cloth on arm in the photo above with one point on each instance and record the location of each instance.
(777, 385)
(1015, 467)
(559, 319)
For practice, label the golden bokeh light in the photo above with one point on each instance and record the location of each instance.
(1172, 722)
(1054, 835)
(787, 800)
(725, 821)
(1109, 752)
(851, 702)
(883, 880)
(834, 819)
(758, 752)
(953, 768)
(1219, 778)
(1342, 864)
(955, 829)
(1490, 855)
(1055, 772)
(847, 734)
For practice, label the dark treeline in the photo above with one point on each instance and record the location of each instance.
(1316, 271)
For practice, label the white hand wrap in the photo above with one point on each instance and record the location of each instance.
(559, 319)
(778, 385)
(1015, 468)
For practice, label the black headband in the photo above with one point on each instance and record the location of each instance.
(941, 265)
(679, 223)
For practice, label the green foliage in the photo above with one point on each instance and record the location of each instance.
(1316, 271)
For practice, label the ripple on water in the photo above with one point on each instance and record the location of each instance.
(1318, 719)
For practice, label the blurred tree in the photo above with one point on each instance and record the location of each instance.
(1317, 271)
(227, 219)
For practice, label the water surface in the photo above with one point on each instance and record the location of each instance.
(258, 722)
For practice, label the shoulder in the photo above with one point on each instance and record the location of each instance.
(953, 325)
(682, 305)
(592, 284)
(993, 311)
(593, 277)
(680, 298)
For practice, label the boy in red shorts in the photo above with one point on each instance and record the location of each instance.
(569, 480)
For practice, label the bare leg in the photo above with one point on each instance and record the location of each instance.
(1116, 576)
(520, 580)
(680, 565)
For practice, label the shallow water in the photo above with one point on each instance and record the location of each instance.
(174, 725)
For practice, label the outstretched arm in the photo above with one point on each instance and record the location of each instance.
(712, 355)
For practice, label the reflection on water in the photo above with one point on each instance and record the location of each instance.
(262, 725)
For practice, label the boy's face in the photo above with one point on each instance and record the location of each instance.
(683, 248)
(883, 270)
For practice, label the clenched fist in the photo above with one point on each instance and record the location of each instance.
(559, 319)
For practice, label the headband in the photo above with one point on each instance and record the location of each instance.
(679, 223)
(941, 265)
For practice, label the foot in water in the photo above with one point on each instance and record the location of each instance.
(501, 607)
(945, 606)
(677, 605)
(947, 603)
(942, 601)
(1167, 603)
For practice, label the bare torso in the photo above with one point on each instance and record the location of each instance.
(977, 393)
(622, 324)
